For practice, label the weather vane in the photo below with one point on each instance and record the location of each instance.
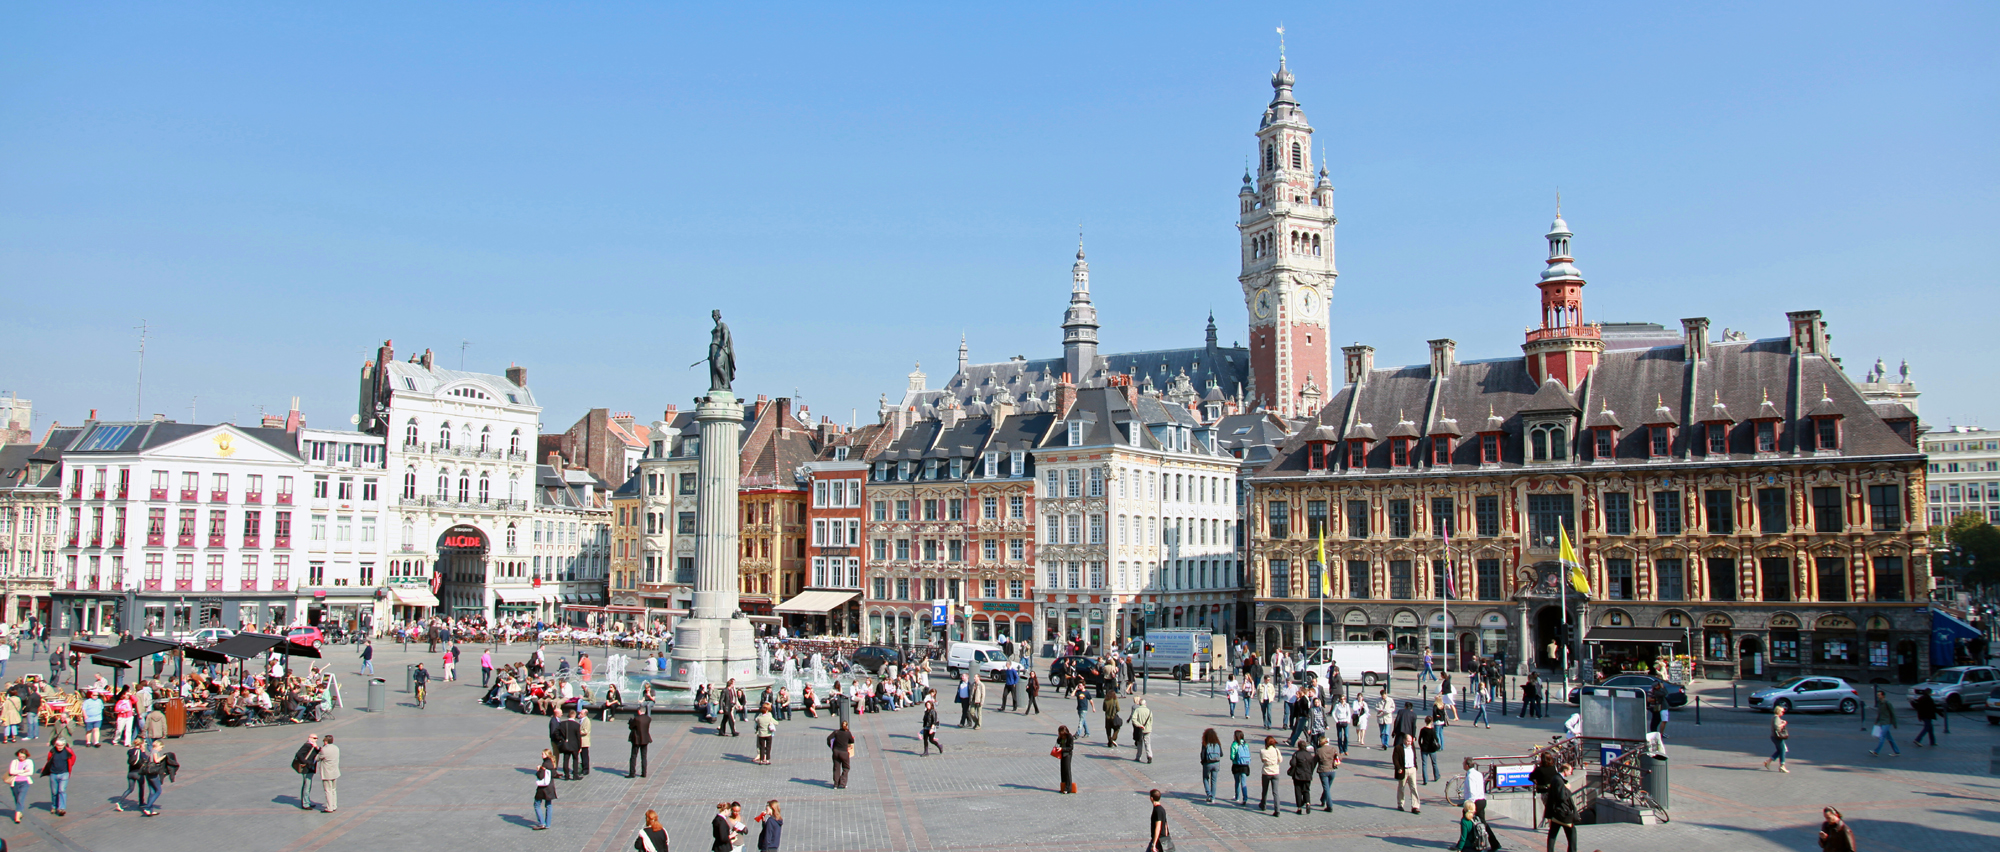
(1281, 44)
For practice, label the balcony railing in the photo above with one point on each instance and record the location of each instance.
(184, 541)
(155, 540)
(253, 496)
(284, 498)
(97, 492)
(157, 494)
(183, 584)
(118, 540)
(72, 539)
(122, 492)
(214, 584)
(281, 542)
(190, 495)
(152, 584)
(218, 496)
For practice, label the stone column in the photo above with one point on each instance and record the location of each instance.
(720, 418)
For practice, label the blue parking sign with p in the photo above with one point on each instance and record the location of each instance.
(940, 613)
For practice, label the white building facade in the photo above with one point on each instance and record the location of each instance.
(1964, 473)
(345, 543)
(461, 463)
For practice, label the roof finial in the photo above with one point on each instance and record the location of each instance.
(1559, 203)
(1767, 395)
(1281, 45)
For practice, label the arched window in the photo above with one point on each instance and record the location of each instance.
(512, 535)
(514, 443)
(1270, 158)
(485, 489)
(513, 488)
(410, 433)
(1538, 445)
(444, 485)
(410, 485)
(465, 435)
(486, 439)
(464, 488)
(1298, 156)
(1558, 445)
(1316, 246)
(444, 435)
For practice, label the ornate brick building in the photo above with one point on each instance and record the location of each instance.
(1738, 499)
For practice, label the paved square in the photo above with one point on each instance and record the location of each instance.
(459, 774)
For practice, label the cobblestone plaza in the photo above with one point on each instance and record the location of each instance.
(458, 772)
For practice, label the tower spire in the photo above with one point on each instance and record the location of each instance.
(1080, 321)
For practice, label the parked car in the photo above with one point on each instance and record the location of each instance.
(1958, 687)
(1676, 696)
(1993, 707)
(984, 659)
(206, 635)
(1084, 667)
(1814, 692)
(307, 636)
(874, 658)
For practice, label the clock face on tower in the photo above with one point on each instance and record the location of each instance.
(1307, 304)
(1263, 305)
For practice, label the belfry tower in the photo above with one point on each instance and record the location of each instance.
(1286, 226)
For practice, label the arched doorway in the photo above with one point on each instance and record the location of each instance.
(461, 571)
(1468, 650)
(1906, 662)
(1750, 659)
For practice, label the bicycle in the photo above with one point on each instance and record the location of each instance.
(1454, 790)
(421, 690)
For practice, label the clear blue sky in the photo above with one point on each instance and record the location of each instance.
(276, 188)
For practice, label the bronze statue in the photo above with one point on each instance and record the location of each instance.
(721, 356)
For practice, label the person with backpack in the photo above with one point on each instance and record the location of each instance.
(1239, 768)
(1471, 832)
(927, 728)
(134, 782)
(305, 762)
(160, 766)
(1211, 758)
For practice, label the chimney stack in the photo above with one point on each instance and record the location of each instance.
(1065, 396)
(1444, 354)
(784, 414)
(1808, 333)
(670, 412)
(518, 375)
(427, 360)
(1694, 339)
(1360, 361)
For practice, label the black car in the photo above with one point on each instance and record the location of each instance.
(1676, 696)
(1085, 667)
(873, 658)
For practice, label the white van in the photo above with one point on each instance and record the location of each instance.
(978, 657)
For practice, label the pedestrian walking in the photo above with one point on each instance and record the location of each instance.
(1479, 698)
(1232, 691)
(1885, 724)
(1034, 692)
(160, 766)
(329, 773)
(1158, 838)
(1082, 696)
(1239, 768)
(1404, 759)
(305, 762)
(368, 658)
(155, 726)
(766, 727)
(1329, 758)
(1112, 722)
(20, 777)
(927, 729)
(56, 767)
(1834, 833)
(1304, 765)
(726, 698)
(583, 739)
(569, 743)
(1558, 806)
(639, 733)
(1383, 716)
(771, 827)
(1265, 692)
(1272, 761)
(485, 668)
(841, 744)
(1065, 747)
(1426, 674)
(545, 791)
(1211, 762)
(976, 700)
(1780, 733)
(135, 758)
(1010, 691)
(1471, 834)
(1142, 731)
(1427, 753)
(1475, 787)
(1927, 713)
(652, 835)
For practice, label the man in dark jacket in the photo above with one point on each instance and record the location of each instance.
(572, 745)
(306, 763)
(1305, 764)
(1927, 713)
(725, 706)
(640, 735)
(841, 744)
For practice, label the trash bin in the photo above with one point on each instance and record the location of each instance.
(176, 712)
(410, 678)
(378, 694)
(1653, 775)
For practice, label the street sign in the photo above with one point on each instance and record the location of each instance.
(940, 612)
(1513, 776)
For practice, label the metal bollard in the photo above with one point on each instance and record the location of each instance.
(1697, 709)
(1732, 695)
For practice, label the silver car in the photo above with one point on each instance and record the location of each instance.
(1958, 687)
(1812, 692)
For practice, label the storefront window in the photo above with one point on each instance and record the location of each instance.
(1836, 651)
(1785, 646)
(1716, 639)
(1878, 653)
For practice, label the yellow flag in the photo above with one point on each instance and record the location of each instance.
(1568, 556)
(1325, 576)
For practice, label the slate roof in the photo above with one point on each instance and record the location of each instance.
(408, 376)
(1106, 411)
(774, 451)
(1623, 392)
(14, 465)
(126, 437)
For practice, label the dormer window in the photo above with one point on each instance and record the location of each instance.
(958, 468)
(1441, 450)
(990, 465)
(1489, 448)
(881, 471)
(1318, 455)
(1718, 439)
(1660, 443)
(1357, 454)
(1826, 433)
(1017, 463)
(906, 471)
(1607, 441)
(840, 453)
(1548, 442)
(1399, 452)
(930, 468)
(1075, 433)
(1767, 436)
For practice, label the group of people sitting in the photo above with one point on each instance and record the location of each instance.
(530, 689)
(260, 699)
